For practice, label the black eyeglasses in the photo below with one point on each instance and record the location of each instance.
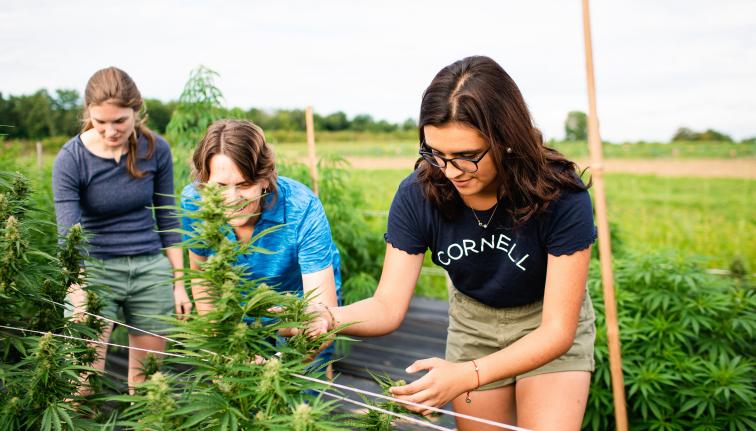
(464, 164)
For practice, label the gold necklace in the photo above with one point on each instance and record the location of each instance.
(480, 223)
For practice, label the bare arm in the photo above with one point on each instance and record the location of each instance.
(199, 292)
(385, 310)
(323, 286)
(181, 299)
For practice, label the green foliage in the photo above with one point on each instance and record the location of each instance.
(200, 103)
(40, 376)
(40, 115)
(686, 134)
(688, 347)
(375, 420)
(159, 114)
(576, 126)
(236, 379)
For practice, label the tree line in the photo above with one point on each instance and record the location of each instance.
(43, 114)
(576, 129)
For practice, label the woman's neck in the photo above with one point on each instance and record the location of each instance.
(484, 199)
(245, 231)
(96, 145)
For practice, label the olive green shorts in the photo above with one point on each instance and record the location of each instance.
(139, 285)
(477, 330)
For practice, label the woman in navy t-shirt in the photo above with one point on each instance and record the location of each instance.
(511, 222)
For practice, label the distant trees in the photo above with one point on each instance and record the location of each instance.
(576, 126)
(38, 115)
(686, 134)
(159, 114)
(41, 114)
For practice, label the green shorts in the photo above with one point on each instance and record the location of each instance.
(139, 285)
(477, 330)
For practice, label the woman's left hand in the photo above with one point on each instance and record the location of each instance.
(444, 381)
(183, 304)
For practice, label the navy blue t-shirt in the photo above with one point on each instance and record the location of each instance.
(498, 266)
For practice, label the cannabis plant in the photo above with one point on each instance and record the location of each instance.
(41, 376)
(231, 370)
(200, 103)
(687, 347)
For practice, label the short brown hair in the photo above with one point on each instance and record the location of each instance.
(243, 142)
(115, 86)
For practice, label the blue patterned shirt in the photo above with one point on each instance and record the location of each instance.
(304, 244)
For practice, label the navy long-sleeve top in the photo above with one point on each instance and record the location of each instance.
(115, 209)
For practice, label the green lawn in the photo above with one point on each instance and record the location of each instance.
(404, 145)
(710, 217)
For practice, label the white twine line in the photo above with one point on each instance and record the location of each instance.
(124, 325)
(388, 412)
(111, 320)
(409, 418)
(426, 407)
(336, 385)
(92, 341)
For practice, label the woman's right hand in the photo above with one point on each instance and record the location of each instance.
(322, 323)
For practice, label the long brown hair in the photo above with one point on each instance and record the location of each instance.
(243, 142)
(478, 93)
(115, 86)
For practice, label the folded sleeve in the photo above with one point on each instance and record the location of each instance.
(570, 226)
(407, 222)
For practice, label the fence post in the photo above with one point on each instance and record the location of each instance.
(40, 156)
(313, 161)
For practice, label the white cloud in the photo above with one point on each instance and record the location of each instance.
(659, 65)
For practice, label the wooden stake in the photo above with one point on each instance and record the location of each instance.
(605, 250)
(40, 156)
(311, 148)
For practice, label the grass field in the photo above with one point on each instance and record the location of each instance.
(404, 144)
(710, 217)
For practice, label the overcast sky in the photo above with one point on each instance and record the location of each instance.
(659, 65)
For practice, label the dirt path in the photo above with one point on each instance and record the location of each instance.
(710, 168)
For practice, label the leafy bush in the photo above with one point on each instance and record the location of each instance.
(687, 347)
(40, 376)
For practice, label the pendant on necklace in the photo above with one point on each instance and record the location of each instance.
(482, 225)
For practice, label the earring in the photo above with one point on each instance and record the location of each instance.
(509, 150)
(265, 190)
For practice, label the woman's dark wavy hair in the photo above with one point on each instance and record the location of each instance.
(478, 93)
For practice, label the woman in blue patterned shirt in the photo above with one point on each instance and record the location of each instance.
(235, 155)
